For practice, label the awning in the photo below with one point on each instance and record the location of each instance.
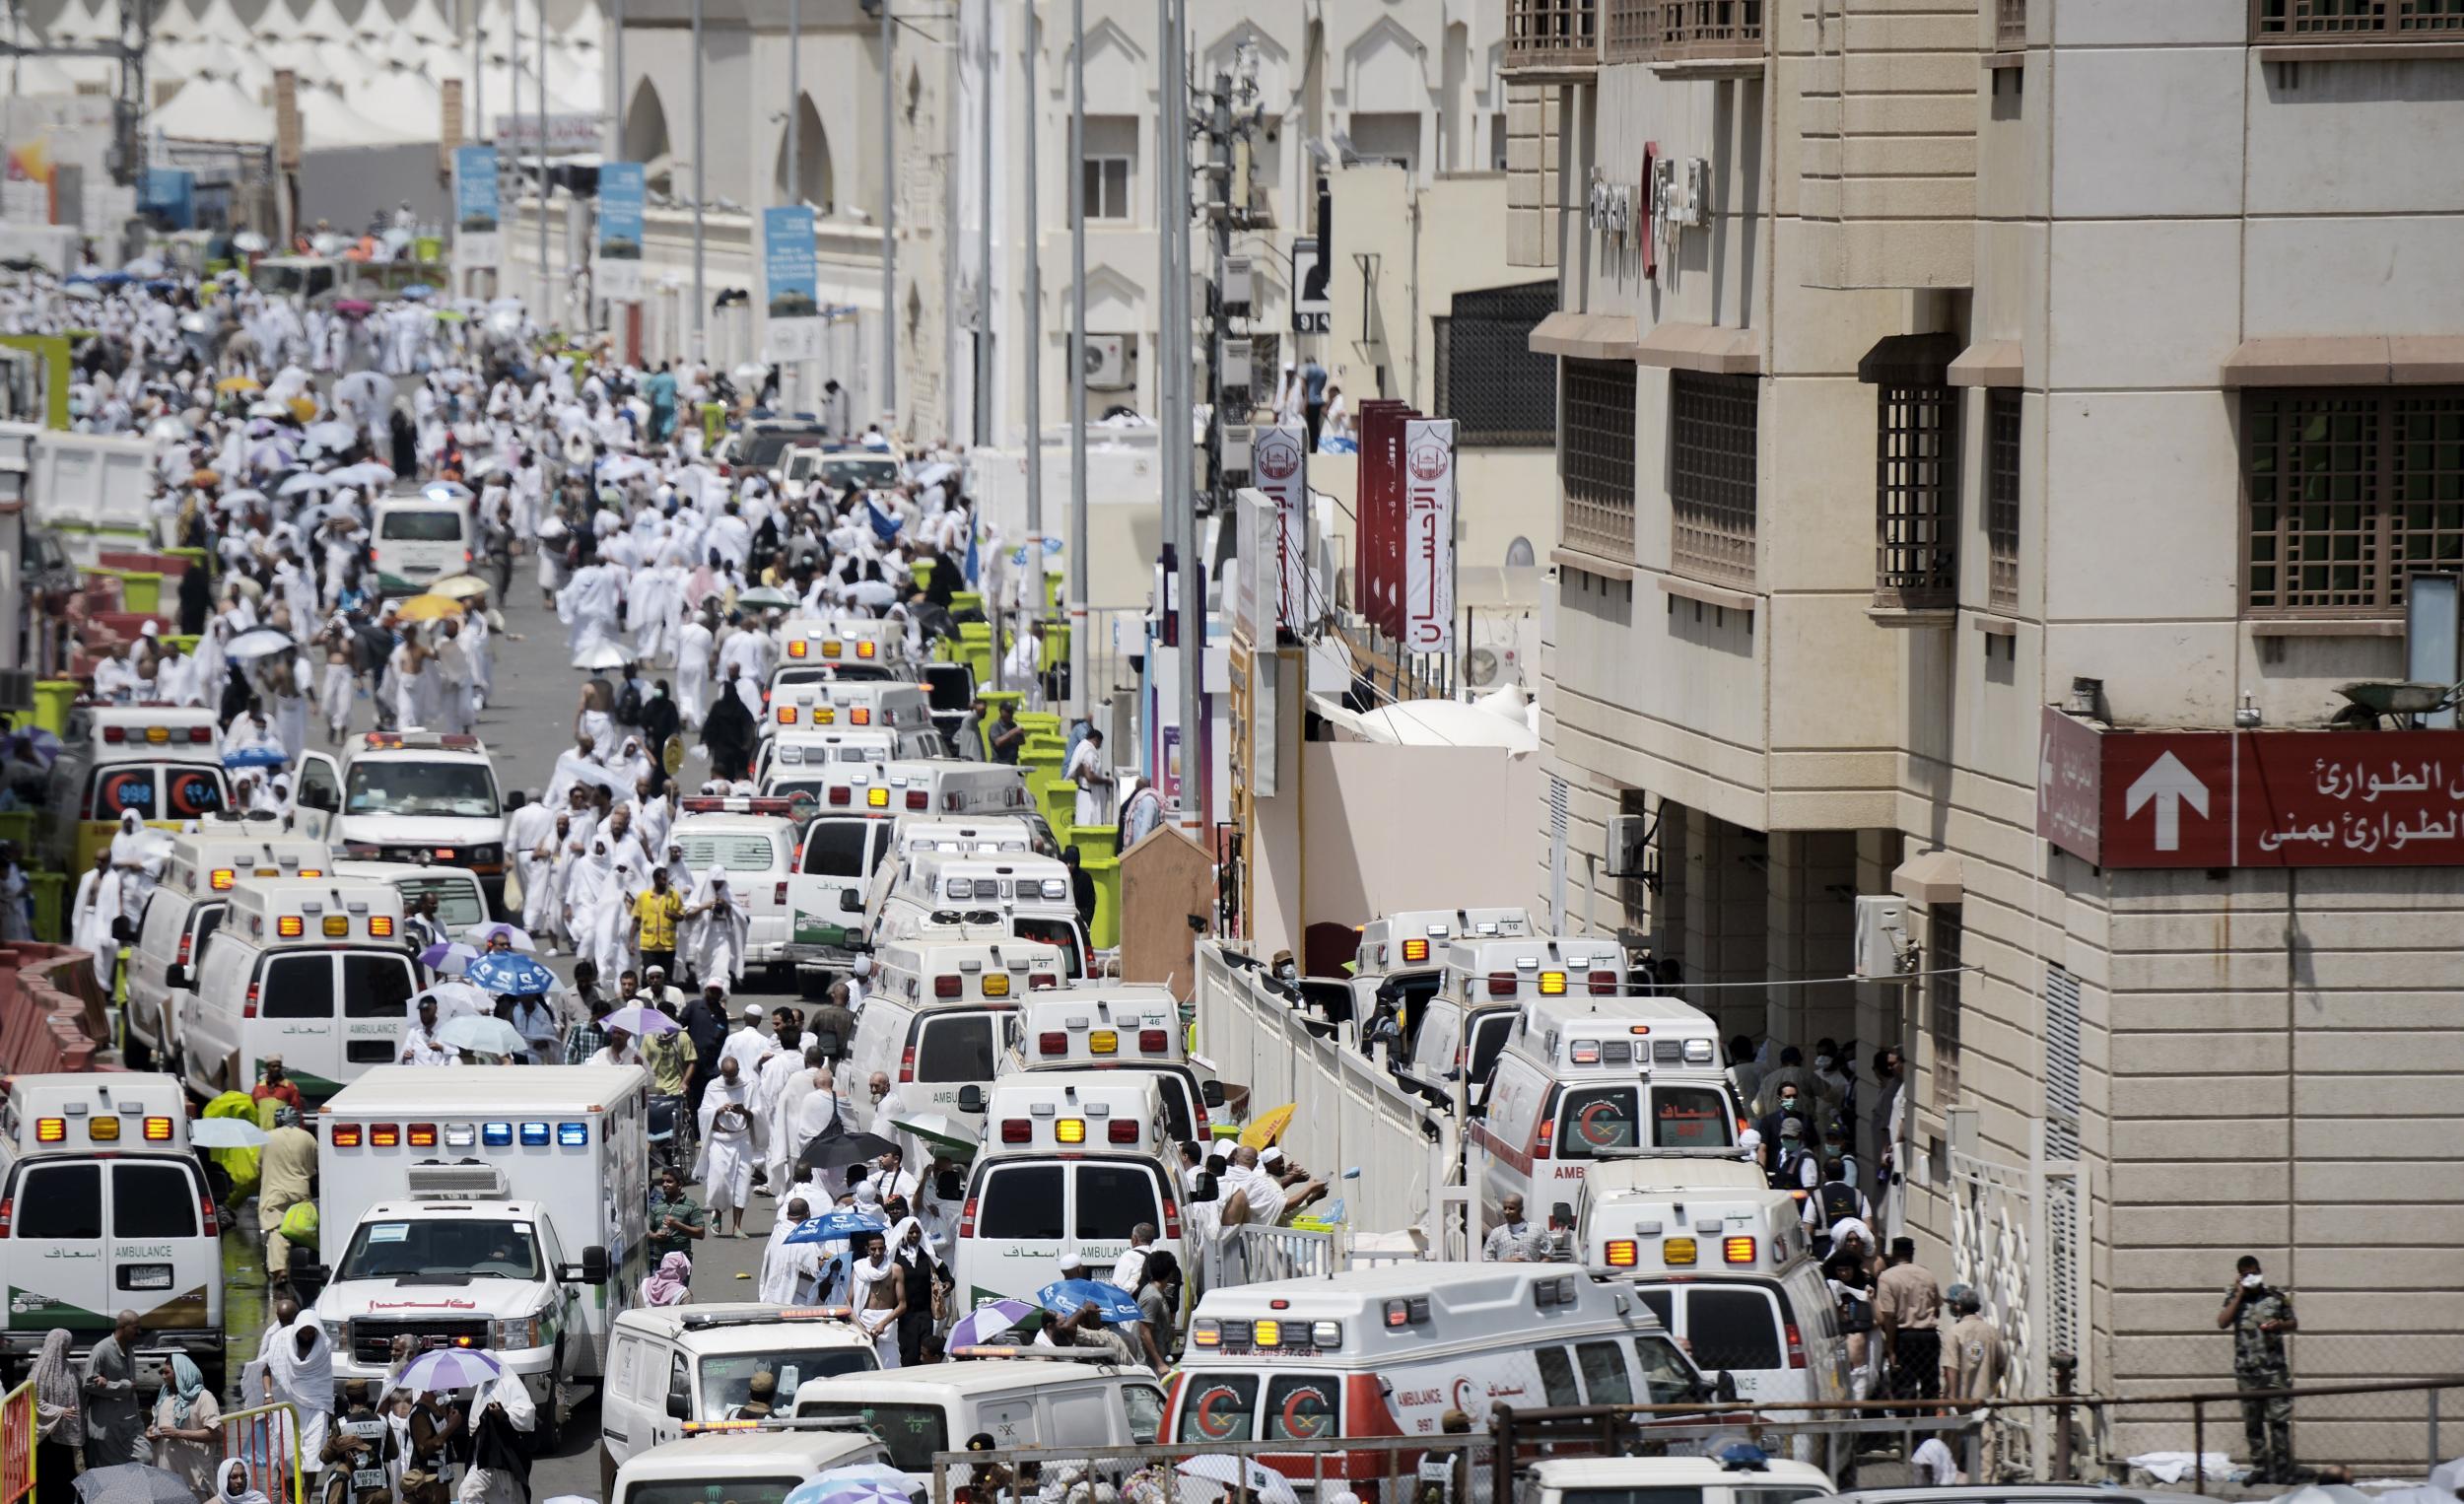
(1909, 359)
(1989, 363)
(1714, 350)
(1585, 336)
(1928, 877)
(2347, 359)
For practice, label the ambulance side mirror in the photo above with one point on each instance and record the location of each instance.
(1210, 1093)
(679, 1406)
(1725, 1390)
(595, 1268)
(971, 1099)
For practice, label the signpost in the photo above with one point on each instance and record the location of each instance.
(1313, 311)
(478, 236)
(1277, 460)
(792, 330)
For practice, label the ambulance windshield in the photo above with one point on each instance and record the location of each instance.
(427, 1249)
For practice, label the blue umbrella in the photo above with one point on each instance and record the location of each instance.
(831, 1226)
(418, 290)
(509, 972)
(831, 1488)
(1064, 1296)
(255, 756)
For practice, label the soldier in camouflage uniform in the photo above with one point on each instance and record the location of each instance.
(2259, 1315)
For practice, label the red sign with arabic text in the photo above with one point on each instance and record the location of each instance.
(2251, 798)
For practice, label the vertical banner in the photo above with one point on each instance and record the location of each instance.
(477, 241)
(791, 290)
(1382, 501)
(448, 122)
(286, 120)
(619, 261)
(1280, 466)
(1366, 546)
(1428, 535)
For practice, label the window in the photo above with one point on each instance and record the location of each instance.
(1916, 496)
(421, 526)
(1217, 1406)
(2349, 492)
(1556, 1373)
(376, 987)
(836, 848)
(1022, 1202)
(1666, 1380)
(1113, 1199)
(1303, 1407)
(1713, 426)
(2357, 20)
(1500, 392)
(1144, 1405)
(152, 1202)
(955, 1049)
(1732, 1328)
(118, 790)
(1599, 464)
(1592, 1118)
(1604, 1379)
(1110, 165)
(746, 852)
(60, 1201)
(1386, 138)
(1948, 933)
(1689, 1118)
(298, 986)
(2001, 498)
(910, 1433)
(460, 904)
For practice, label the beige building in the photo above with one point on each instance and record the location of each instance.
(1923, 364)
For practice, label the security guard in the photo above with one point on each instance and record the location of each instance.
(2259, 1315)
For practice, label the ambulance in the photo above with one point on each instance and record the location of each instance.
(1038, 1399)
(1071, 1162)
(757, 1464)
(1486, 978)
(103, 1207)
(186, 907)
(1724, 1261)
(312, 969)
(1116, 1026)
(672, 1370)
(932, 1021)
(901, 705)
(497, 1207)
(1028, 895)
(850, 833)
(990, 836)
(753, 841)
(854, 647)
(162, 762)
(788, 756)
(1388, 1352)
(1402, 959)
(1584, 1075)
(415, 797)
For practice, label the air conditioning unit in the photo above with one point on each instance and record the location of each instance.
(1629, 845)
(1237, 438)
(1236, 364)
(1237, 287)
(1883, 951)
(1110, 365)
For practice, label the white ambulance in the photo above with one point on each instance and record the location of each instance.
(1117, 1026)
(499, 1207)
(1672, 1480)
(848, 833)
(1027, 895)
(105, 1209)
(895, 705)
(313, 970)
(790, 755)
(1388, 1352)
(857, 647)
(1021, 1401)
(674, 1369)
(1402, 959)
(755, 1464)
(754, 841)
(163, 763)
(186, 907)
(1071, 1162)
(414, 796)
(932, 1022)
(1725, 1262)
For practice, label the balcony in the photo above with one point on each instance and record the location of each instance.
(1676, 34)
(2356, 21)
(1552, 38)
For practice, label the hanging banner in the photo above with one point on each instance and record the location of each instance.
(1278, 460)
(619, 262)
(477, 239)
(1428, 602)
(1381, 513)
(792, 328)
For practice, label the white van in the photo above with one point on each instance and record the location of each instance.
(790, 756)
(416, 797)
(673, 1368)
(1027, 895)
(754, 841)
(163, 762)
(1402, 957)
(1582, 1075)
(1486, 981)
(1669, 1480)
(461, 899)
(1022, 1401)
(415, 540)
(1071, 1161)
(311, 969)
(104, 1209)
(856, 703)
(1724, 1261)
(747, 1467)
(1117, 1026)
(1388, 1352)
(932, 1021)
(185, 909)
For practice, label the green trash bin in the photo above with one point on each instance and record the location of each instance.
(1093, 841)
(1106, 870)
(922, 570)
(52, 698)
(18, 825)
(141, 590)
(50, 906)
(1042, 723)
(963, 602)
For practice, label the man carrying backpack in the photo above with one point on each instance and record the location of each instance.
(1834, 1200)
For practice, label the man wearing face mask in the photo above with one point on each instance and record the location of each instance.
(2258, 1315)
(1285, 973)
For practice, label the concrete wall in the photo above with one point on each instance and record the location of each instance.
(1393, 827)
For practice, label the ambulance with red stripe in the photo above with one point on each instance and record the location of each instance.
(1487, 979)
(1388, 1352)
(1585, 1073)
(1071, 1162)
(1117, 1026)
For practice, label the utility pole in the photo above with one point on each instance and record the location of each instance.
(889, 221)
(1182, 469)
(547, 294)
(983, 240)
(796, 163)
(1034, 392)
(616, 117)
(701, 300)
(1079, 702)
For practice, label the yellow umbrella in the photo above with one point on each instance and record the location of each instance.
(1268, 1126)
(461, 588)
(303, 407)
(239, 384)
(429, 608)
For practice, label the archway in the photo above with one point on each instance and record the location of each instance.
(815, 183)
(646, 135)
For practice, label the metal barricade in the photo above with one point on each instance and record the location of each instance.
(1255, 1255)
(18, 1431)
(264, 1438)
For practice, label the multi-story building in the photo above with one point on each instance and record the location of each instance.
(1956, 394)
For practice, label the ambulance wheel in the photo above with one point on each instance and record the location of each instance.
(135, 1054)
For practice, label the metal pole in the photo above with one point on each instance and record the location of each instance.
(1078, 653)
(984, 242)
(547, 294)
(478, 79)
(796, 163)
(889, 223)
(616, 116)
(700, 302)
(1194, 762)
(1034, 392)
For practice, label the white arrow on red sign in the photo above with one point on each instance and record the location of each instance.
(2167, 783)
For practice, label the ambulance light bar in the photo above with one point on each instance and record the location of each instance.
(1266, 1334)
(1412, 1311)
(1738, 1250)
(716, 805)
(1415, 950)
(710, 1321)
(457, 1135)
(157, 735)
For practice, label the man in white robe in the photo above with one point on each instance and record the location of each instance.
(722, 920)
(726, 1170)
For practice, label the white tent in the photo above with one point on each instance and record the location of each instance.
(210, 108)
(330, 118)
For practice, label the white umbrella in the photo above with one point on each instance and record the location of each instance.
(483, 1032)
(224, 1133)
(144, 266)
(307, 481)
(454, 999)
(250, 241)
(1231, 1472)
(366, 472)
(259, 642)
(334, 434)
(601, 655)
(367, 389)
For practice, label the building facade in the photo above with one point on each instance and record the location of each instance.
(1959, 397)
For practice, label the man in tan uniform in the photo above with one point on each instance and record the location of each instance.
(285, 1164)
(1973, 1361)
(1907, 1308)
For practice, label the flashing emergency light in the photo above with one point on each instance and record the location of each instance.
(336, 926)
(877, 798)
(867, 649)
(381, 925)
(347, 1136)
(1552, 984)
(573, 1136)
(1103, 1042)
(157, 1129)
(831, 650)
(534, 1136)
(795, 650)
(1069, 1129)
(1621, 1253)
(223, 878)
(1738, 1250)
(1678, 1251)
(496, 1135)
(996, 986)
(385, 1135)
(1415, 950)
(51, 1131)
(1268, 1333)
(423, 1136)
(102, 1130)
(290, 927)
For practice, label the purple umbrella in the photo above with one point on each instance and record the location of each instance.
(448, 957)
(639, 1020)
(482, 936)
(987, 1322)
(448, 1368)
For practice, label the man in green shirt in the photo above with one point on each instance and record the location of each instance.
(670, 1057)
(677, 1220)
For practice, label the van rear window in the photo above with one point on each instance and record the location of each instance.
(376, 986)
(60, 1201)
(745, 852)
(153, 1201)
(1594, 1119)
(1115, 1199)
(910, 1433)
(1732, 1328)
(421, 526)
(1022, 1202)
(835, 847)
(736, 1491)
(955, 1049)
(1304, 1407)
(1689, 1118)
(1217, 1406)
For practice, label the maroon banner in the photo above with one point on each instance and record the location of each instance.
(1380, 499)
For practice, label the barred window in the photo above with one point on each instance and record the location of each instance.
(2350, 490)
(1713, 424)
(1949, 934)
(1916, 496)
(1599, 464)
(2001, 498)
(1500, 392)
(2357, 20)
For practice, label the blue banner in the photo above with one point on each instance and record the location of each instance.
(475, 207)
(792, 289)
(620, 231)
